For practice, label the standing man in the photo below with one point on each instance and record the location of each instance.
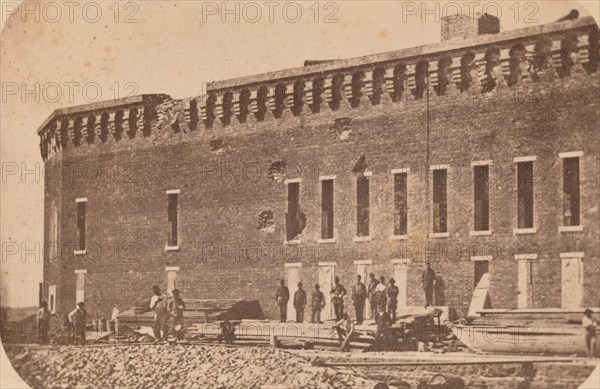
(380, 292)
(78, 320)
(282, 297)
(373, 294)
(67, 329)
(590, 324)
(300, 303)
(359, 295)
(158, 303)
(337, 298)
(176, 307)
(317, 303)
(428, 282)
(392, 299)
(43, 322)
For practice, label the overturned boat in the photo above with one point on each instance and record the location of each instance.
(524, 330)
(527, 331)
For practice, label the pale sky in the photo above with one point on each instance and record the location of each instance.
(167, 48)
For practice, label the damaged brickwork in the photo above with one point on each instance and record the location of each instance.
(396, 118)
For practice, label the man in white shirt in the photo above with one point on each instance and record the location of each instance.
(381, 297)
(158, 303)
(590, 324)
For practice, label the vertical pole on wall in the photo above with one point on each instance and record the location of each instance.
(427, 158)
(40, 294)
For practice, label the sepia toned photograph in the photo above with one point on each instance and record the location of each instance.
(305, 194)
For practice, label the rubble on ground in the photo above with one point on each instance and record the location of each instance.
(175, 366)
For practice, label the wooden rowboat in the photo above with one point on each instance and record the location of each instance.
(527, 331)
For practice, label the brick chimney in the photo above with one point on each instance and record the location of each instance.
(464, 26)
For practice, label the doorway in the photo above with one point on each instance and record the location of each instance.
(525, 283)
(362, 269)
(571, 281)
(326, 274)
(293, 277)
(401, 278)
(481, 267)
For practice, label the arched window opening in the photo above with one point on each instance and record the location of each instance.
(517, 64)
(466, 65)
(317, 94)
(133, 116)
(444, 75)
(227, 108)
(149, 115)
(421, 79)
(119, 117)
(298, 97)
(280, 91)
(64, 132)
(357, 85)
(211, 102)
(337, 92)
(194, 115)
(91, 129)
(77, 124)
(104, 127)
(569, 54)
(492, 69)
(543, 55)
(244, 106)
(378, 85)
(261, 102)
(399, 74)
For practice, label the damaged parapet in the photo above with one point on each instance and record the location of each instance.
(476, 65)
(462, 26)
(129, 117)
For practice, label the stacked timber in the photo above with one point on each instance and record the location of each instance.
(196, 311)
(295, 335)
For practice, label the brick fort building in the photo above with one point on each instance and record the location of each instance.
(479, 154)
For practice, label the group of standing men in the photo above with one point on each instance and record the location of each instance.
(383, 297)
(300, 301)
(73, 327)
(167, 310)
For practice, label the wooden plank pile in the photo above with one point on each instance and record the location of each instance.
(293, 335)
(196, 311)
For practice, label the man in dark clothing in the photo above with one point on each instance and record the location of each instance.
(337, 298)
(381, 295)
(345, 330)
(392, 299)
(300, 303)
(428, 282)
(359, 295)
(372, 294)
(176, 307)
(66, 330)
(317, 303)
(282, 297)
(78, 319)
(43, 322)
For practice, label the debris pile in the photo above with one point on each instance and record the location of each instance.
(175, 366)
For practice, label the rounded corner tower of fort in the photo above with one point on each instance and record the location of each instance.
(478, 154)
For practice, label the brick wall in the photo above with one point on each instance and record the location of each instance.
(466, 26)
(224, 253)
